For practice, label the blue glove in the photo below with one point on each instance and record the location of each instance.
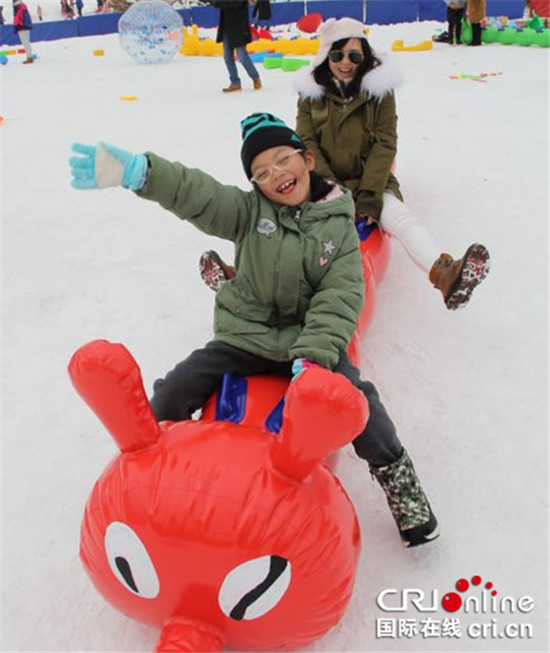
(104, 165)
(300, 365)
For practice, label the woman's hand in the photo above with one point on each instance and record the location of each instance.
(368, 206)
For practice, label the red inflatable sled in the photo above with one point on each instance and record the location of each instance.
(228, 531)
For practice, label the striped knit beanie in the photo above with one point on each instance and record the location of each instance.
(262, 131)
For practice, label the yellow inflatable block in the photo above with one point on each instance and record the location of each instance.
(190, 44)
(398, 46)
(261, 45)
(209, 48)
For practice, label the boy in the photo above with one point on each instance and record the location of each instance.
(298, 292)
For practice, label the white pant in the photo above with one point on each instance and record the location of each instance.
(25, 38)
(398, 221)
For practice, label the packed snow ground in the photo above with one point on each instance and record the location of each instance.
(467, 390)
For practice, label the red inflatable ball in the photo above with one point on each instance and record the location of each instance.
(309, 23)
(227, 531)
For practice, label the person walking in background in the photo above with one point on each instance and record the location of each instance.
(22, 25)
(261, 13)
(455, 15)
(476, 10)
(66, 9)
(234, 33)
(79, 7)
(2, 19)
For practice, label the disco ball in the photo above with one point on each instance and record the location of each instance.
(150, 31)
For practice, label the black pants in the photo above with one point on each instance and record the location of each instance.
(476, 34)
(188, 386)
(454, 18)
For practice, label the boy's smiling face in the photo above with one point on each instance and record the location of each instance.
(282, 174)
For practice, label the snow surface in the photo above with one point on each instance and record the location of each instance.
(467, 390)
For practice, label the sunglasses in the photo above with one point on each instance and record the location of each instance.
(355, 56)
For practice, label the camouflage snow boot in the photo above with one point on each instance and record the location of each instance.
(408, 503)
(457, 279)
(214, 272)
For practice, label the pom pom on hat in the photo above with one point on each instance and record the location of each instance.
(334, 30)
(260, 132)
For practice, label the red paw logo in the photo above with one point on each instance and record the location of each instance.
(453, 601)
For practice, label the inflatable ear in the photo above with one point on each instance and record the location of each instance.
(323, 412)
(108, 378)
(184, 636)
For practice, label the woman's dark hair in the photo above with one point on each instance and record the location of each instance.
(320, 187)
(324, 77)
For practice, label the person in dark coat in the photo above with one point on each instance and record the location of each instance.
(455, 15)
(262, 14)
(234, 33)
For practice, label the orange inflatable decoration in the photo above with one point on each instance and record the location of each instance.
(228, 531)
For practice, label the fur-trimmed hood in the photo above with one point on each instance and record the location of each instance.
(377, 83)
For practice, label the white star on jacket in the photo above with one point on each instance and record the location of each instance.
(328, 247)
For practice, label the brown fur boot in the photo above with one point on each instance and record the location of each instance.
(214, 272)
(457, 279)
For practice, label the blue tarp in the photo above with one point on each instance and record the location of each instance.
(385, 12)
(338, 8)
(380, 12)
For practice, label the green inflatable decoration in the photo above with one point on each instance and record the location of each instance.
(511, 35)
(284, 63)
(489, 35)
(273, 62)
(535, 22)
(466, 33)
(290, 65)
(507, 36)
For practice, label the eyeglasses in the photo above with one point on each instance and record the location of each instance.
(355, 56)
(282, 162)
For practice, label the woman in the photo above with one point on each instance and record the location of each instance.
(234, 33)
(476, 10)
(22, 25)
(347, 116)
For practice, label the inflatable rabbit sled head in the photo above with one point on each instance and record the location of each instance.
(221, 534)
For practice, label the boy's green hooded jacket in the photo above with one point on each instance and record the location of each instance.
(299, 287)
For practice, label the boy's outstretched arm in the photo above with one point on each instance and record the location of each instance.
(104, 165)
(190, 194)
